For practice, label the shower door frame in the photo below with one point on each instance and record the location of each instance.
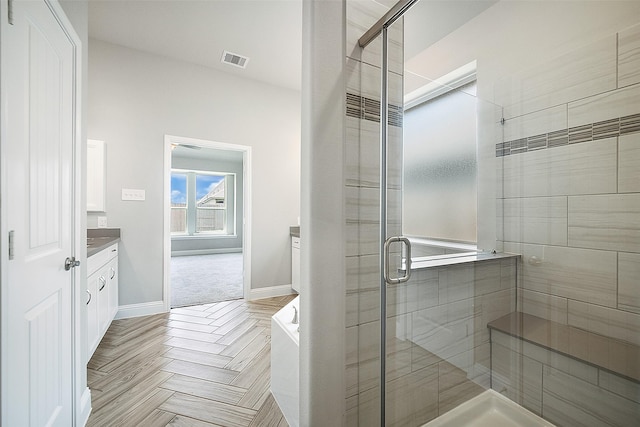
(381, 28)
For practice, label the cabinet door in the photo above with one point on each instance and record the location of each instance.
(96, 157)
(93, 334)
(103, 301)
(113, 288)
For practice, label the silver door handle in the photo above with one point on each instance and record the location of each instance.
(387, 267)
(89, 300)
(71, 262)
(103, 281)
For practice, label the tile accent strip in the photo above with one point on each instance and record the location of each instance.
(365, 108)
(591, 132)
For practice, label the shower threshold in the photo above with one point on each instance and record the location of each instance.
(490, 409)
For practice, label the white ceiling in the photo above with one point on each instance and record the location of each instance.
(425, 24)
(428, 21)
(269, 32)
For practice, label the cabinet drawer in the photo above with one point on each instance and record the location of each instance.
(101, 258)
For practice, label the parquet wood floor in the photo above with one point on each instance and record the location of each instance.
(207, 365)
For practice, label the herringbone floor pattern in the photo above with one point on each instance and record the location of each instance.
(206, 365)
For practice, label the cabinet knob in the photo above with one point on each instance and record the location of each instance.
(103, 281)
(89, 300)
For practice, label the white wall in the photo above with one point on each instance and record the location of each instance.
(135, 99)
(322, 269)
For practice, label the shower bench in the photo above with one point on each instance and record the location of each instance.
(566, 374)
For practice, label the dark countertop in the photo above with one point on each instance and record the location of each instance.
(294, 231)
(101, 238)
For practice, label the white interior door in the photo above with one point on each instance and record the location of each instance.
(37, 198)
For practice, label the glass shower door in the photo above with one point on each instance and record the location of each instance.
(437, 343)
(430, 328)
(437, 299)
(552, 184)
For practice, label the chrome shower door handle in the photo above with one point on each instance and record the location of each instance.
(387, 267)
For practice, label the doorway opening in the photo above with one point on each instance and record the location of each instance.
(207, 233)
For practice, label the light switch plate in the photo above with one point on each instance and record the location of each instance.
(102, 222)
(132, 194)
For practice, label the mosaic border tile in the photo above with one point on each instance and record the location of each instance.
(365, 108)
(591, 132)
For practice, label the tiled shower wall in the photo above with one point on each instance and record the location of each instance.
(362, 200)
(569, 202)
(438, 347)
(570, 187)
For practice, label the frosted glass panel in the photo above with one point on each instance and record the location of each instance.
(440, 167)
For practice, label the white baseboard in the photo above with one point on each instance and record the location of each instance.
(206, 251)
(144, 309)
(271, 291)
(85, 407)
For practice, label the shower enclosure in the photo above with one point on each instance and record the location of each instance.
(493, 210)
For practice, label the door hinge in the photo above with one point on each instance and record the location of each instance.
(10, 10)
(11, 249)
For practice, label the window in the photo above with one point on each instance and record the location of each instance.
(178, 203)
(440, 167)
(210, 203)
(202, 203)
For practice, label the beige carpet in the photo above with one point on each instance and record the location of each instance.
(204, 279)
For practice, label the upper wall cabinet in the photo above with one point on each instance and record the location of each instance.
(96, 182)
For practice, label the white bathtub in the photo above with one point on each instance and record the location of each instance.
(489, 409)
(285, 362)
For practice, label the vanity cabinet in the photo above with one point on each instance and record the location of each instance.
(96, 183)
(102, 294)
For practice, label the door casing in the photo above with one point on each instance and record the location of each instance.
(246, 233)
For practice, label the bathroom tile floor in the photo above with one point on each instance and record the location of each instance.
(206, 365)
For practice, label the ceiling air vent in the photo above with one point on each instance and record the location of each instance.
(234, 59)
